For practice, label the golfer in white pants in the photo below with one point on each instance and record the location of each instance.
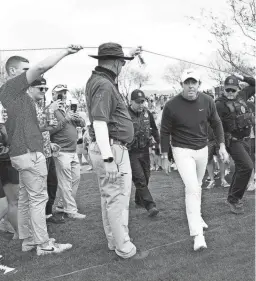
(184, 122)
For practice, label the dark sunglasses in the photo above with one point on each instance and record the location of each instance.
(139, 101)
(41, 89)
(230, 90)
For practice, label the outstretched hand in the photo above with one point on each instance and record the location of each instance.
(72, 49)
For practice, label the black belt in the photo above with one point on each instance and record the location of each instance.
(237, 139)
(114, 141)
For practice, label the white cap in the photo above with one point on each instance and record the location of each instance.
(190, 73)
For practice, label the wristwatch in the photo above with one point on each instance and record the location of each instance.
(109, 160)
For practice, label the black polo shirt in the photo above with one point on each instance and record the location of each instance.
(105, 103)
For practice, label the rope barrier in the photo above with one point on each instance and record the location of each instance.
(91, 47)
(46, 49)
(198, 64)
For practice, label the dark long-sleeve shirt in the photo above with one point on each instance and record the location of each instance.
(186, 122)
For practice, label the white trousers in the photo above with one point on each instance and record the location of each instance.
(191, 165)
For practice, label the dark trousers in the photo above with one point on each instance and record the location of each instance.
(140, 164)
(52, 184)
(241, 154)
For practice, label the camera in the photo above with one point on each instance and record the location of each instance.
(60, 97)
(73, 107)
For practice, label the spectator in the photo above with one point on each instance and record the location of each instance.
(66, 161)
(37, 92)
(9, 181)
(26, 150)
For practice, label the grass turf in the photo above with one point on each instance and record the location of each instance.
(230, 240)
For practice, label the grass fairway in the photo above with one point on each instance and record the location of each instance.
(230, 239)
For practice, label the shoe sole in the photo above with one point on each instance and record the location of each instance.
(200, 248)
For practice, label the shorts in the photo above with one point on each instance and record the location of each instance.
(213, 149)
(7, 175)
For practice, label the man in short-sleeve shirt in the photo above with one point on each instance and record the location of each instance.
(26, 150)
(111, 130)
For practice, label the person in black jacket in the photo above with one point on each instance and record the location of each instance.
(144, 128)
(237, 124)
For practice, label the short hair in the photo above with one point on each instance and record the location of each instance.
(13, 61)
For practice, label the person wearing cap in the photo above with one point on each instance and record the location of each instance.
(144, 128)
(37, 92)
(26, 150)
(237, 122)
(111, 130)
(184, 122)
(66, 161)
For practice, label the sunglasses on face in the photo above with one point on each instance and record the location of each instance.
(41, 89)
(230, 90)
(140, 101)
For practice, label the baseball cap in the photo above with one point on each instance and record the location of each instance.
(59, 88)
(38, 82)
(138, 95)
(231, 82)
(190, 73)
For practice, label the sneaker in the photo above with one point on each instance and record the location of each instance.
(5, 270)
(76, 216)
(199, 242)
(236, 208)
(204, 224)
(153, 212)
(224, 183)
(55, 219)
(5, 226)
(28, 244)
(174, 167)
(52, 248)
(210, 185)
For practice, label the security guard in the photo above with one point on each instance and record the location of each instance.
(237, 124)
(144, 125)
